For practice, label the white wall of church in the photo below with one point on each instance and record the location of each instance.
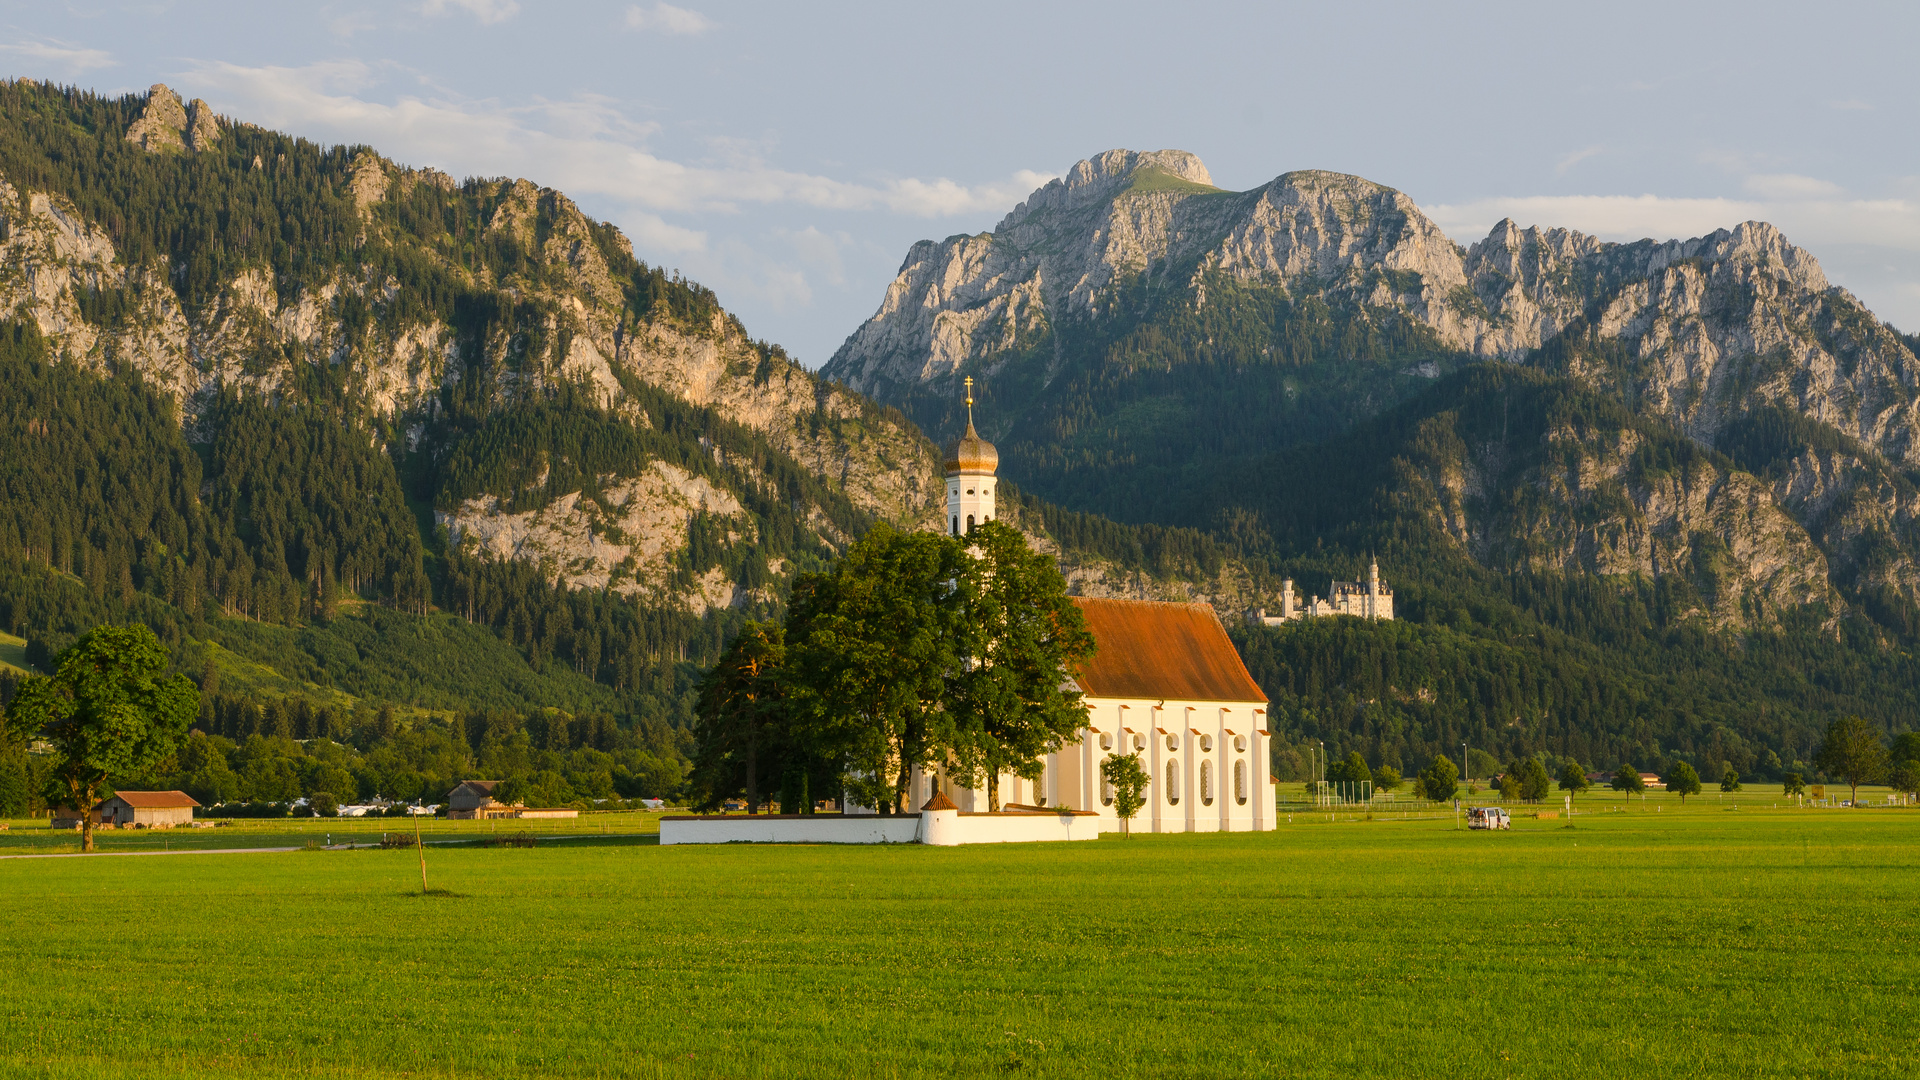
(1208, 762)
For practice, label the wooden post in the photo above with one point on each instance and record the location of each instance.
(422, 849)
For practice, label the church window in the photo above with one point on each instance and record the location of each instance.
(969, 522)
(956, 524)
(1240, 782)
(969, 491)
(1139, 743)
(1206, 744)
(1239, 744)
(1173, 743)
(1106, 793)
(1206, 782)
(1040, 787)
(1173, 782)
(1106, 741)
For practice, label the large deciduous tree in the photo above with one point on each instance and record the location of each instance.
(1853, 750)
(1626, 779)
(109, 709)
(1440, 780)
(1682, 780)
(873, 647)
(1011, 703)
(742, 716)
(1573, 778)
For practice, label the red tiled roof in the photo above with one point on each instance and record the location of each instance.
(1158, 651)
(155, 800)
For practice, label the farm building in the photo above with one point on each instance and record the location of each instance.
(146, 810)
(474, 799)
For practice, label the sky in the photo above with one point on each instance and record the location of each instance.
(788, 154)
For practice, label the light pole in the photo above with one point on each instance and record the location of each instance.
(1320, 786)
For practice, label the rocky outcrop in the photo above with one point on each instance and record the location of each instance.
(167, 124)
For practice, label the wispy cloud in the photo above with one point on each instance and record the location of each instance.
(1790, 186)
(487, 11)
(1575, 158)
(667, 19)
(70, 58)
(583, 145)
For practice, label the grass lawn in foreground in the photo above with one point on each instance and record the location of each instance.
(1696, 942)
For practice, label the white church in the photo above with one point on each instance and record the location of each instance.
(1165, 682)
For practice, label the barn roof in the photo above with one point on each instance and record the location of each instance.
(155, 800)
(480, 787)
(1173, 652)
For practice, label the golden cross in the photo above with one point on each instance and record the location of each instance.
(969, 401)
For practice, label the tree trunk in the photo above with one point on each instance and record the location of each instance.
(901, 803)
(993, 789)
(753, 770)
(83, 803)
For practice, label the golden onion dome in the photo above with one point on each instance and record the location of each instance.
(972, 454)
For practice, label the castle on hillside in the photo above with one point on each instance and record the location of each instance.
(1369, 599)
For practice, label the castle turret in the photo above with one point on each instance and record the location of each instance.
(971, 462)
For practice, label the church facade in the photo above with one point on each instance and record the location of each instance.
(1165, 683)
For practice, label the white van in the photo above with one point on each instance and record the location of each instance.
(1488, 817)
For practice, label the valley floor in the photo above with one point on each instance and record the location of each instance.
(1700, 941)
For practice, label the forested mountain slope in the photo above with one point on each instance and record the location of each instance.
(375, 450)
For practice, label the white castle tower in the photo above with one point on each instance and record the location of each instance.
(970, 465)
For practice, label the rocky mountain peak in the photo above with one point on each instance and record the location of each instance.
(169, 124)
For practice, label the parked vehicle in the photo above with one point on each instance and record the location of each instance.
(1488, 817)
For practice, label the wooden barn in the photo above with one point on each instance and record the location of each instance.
(146, 810)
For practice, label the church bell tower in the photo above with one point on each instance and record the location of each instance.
(970, 465)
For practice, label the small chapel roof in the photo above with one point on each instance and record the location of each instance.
(1162, 651)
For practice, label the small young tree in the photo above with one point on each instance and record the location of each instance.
(1387, 778)
(1573, 778)
(1627, 779)
(1682, 781)
(1853, 750)
(1730, 781)
(108, 709)
(1123, 773)
(1440, 780)
(1527, 779)
(1793, 784)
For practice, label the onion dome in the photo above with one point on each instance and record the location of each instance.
(972, 453)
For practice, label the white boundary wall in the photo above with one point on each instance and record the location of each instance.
(939, 827)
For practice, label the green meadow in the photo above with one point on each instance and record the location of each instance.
(1703, 941)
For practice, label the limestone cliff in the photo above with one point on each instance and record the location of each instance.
(412, 318)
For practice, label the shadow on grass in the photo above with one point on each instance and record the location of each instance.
(447, 894)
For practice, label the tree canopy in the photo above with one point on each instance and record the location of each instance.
(109, 709)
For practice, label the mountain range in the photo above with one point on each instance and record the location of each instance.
(351, 433)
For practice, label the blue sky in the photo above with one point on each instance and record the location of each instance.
(787, 154)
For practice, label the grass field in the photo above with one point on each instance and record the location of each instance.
(13, 654)
(1695, 942)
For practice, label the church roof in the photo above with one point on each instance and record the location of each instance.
(972, 453)
(1175, 652)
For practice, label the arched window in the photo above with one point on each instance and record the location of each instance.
(1106, 741)
(1106, 793)
(969, 522)
(956, 524)
(1240, 782)
(1173, 782)
(1206, 782)
(1040, 787)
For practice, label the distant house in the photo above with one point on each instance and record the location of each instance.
(146, 810)
(474, 799)
(1652, 780)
